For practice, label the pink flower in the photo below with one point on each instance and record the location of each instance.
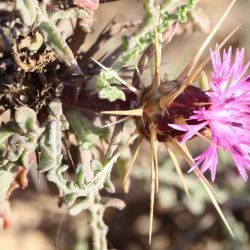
(227, 116)
(90, 5)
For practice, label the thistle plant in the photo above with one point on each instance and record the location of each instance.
(60, 98)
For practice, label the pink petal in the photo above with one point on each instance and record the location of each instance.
(191, 129)
(87, 4)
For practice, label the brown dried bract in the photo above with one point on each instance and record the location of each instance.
(31, 54)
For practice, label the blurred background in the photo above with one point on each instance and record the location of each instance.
(179, 223)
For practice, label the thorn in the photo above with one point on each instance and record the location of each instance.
(157, 76)
(118, 78)
(112, 160)
(154, 142)
(132, 112)
(178, 169)
(132, 161)
(116, 122)
(196, 58)
(186, 155)
(167, 100)
(204, 63)
(184, 152)
(152, 198)
(185, 75)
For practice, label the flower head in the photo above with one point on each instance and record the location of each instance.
(90, 5)
(227, 116)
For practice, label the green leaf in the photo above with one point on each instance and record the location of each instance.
(5, 133)
(112, 93)
(80, 176)
(96, 166)
(6, 178)
(26, 119)
(69, 13)
(84, 129)
(28, 10)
